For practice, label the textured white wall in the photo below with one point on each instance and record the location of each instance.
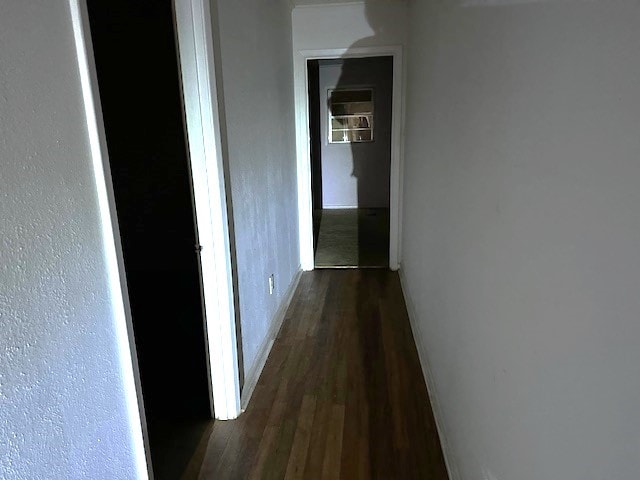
(62, 400)
(255, 43)
(522, 233)
(357, 175)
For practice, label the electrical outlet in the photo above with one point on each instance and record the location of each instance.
(272, 284)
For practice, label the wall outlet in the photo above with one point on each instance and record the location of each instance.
(272, 284)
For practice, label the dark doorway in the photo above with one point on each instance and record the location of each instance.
(140, 92)
(350, 121)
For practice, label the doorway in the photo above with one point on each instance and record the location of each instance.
(140, 92)
(350, 129)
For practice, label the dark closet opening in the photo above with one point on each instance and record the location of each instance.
(315, 137)
(140, 92)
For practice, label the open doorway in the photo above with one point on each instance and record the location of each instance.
(140, 93)
(350, 129)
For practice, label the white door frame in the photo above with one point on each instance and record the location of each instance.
(303, 144)
(197, 62)
(193, 24)
(111, 238)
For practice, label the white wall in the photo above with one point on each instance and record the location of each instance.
(62, 395)
(257, 79)
(357, 175)
(344, 26)
(522, 233)
(328, 2)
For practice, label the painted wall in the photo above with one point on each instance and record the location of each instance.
(62, 394)
(349, 25)
(521, 233)
(330, 2)
(257, 80)
(357, 175)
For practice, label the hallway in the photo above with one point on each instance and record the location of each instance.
(341, 396)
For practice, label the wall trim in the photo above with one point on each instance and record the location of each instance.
(252, 376)
(449, 459)
(202, 112)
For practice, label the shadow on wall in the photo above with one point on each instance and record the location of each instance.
(369, 317)
(356, 151)
(350, 123)
(375, 14)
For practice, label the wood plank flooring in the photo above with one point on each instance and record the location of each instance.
(341, 396)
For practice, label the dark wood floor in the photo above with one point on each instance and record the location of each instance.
(342, 394)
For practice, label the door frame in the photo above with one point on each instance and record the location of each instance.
(194, 30)
(112, 245)
(195, 45)
(303, 144)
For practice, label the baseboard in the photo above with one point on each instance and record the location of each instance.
(252, 376)
(428, 377)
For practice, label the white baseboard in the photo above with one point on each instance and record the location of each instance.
(428, 377)
(252, 376)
